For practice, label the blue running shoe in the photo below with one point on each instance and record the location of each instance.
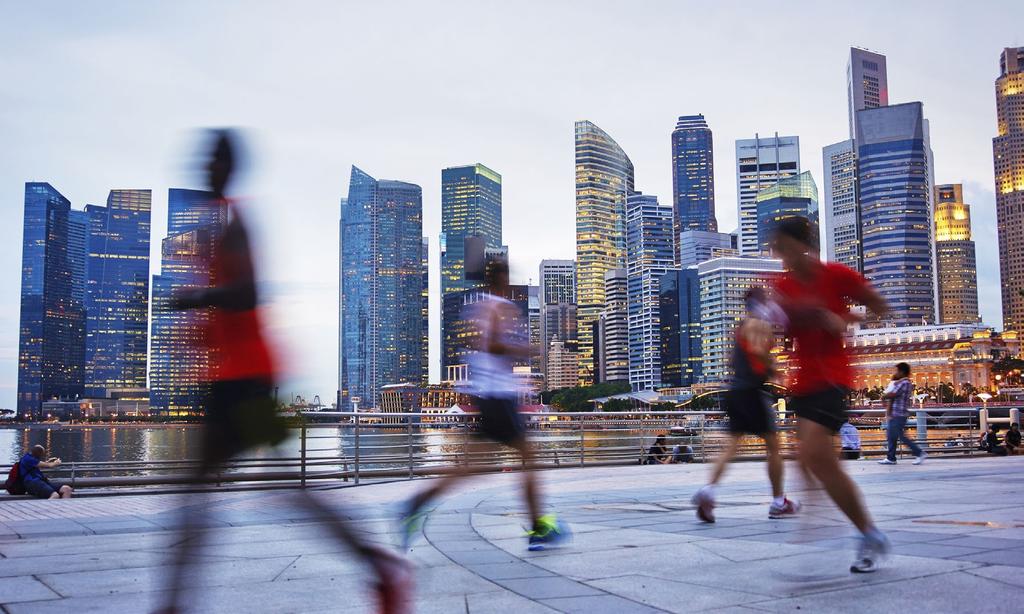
(410, 524)
(549, 533)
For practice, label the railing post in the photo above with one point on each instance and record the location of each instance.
(1015, 416)
(72, 475)
(302, 456)
(983, 419)
(409, 443)
(922, 426)
(355, 477)
(582, 446)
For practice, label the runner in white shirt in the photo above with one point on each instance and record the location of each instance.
(495, 389)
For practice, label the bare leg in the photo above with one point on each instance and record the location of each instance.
(65, 492)
(530, 491)
(819, 458)
(723, 458)
(190, 538)
(54, 495)
(771, 446)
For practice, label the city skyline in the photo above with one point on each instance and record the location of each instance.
(305, 168)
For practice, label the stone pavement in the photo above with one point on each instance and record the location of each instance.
(957, 526)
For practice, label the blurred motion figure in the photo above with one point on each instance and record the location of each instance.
(241, 413)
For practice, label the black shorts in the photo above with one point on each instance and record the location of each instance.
(826, 407)
(240, 415)
(41, 489)
(749, 411)
(500, 420)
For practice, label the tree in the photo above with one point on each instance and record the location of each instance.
(578, 398)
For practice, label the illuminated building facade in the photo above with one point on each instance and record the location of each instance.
(841, 232)
(52, 321)
(604, 177)
(957, 269)
(1008, 160)
(117, 293)
(563, 367)
(679, 305)
(958, 354)
(557, 307)
(894, 179)
(693, 176)
(723, 284)
(460, 333)
(795, 196)
(612, 330)
(760, 163)
(179, 362)
(867, 84)
(650, 253)
(425, 310)
(381, 287)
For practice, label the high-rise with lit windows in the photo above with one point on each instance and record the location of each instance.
(867, 84)
(956, 265)
(693, 176)
(841, 233)
(557, 308)
(179, 362)
(604, 177)
(117, 293)
(1008, 159)
(649, 255)
(51, 331)
(795, 196)
(611, 354)
(894, 177)
(760, 163)
(381, 288)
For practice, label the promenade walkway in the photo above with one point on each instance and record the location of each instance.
(957, 526)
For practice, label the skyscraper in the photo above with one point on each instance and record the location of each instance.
(612, 330)
(51, 331)
(179, 361)
(867, 85)
(557, 306)
(460, 333)
(795, 196)
(842, 231)
(696, 246)
(760, 162)
(895, 192)
(693, 176)
(723, 284)
(533, 314)
(956, 266)
(381, 287)
(425, 309)
(470, 207)
(117, 293)
(604, 177)
(679, 305)
(1008, 159)
(650, 253)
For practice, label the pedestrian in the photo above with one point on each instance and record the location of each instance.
(816, 297)
(1012, 439)
(849, 441)
(749, 407)
(33, 479)
(241, 412)
(896, 414)
(990, 442)
(497, 345)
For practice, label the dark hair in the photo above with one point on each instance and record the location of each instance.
(797, 228)
(494, 269)
(38, 451)
(994, 428)
(903, 368)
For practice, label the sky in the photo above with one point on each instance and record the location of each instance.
(102, 95)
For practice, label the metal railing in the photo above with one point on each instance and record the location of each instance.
(355, 448)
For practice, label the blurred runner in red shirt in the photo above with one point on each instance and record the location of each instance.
(241, 413)
(816, 296)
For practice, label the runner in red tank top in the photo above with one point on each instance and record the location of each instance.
(815, 296)
(241, 413)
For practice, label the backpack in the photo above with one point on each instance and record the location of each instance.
(14, 485)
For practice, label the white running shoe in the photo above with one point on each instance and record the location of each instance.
(920, 458)
(874, 549)
(886, 461)
(705, 503)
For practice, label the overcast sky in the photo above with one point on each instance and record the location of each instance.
(101, 95)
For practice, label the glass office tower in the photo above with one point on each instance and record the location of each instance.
(693, 176)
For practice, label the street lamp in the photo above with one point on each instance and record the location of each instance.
(984, 396)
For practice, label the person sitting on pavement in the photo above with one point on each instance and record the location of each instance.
(849, 439)
(991, 442)
(658, 453)
(1012, 439)
(36, 484)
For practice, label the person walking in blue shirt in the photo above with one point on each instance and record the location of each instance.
(35, 482)
(899, 394)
